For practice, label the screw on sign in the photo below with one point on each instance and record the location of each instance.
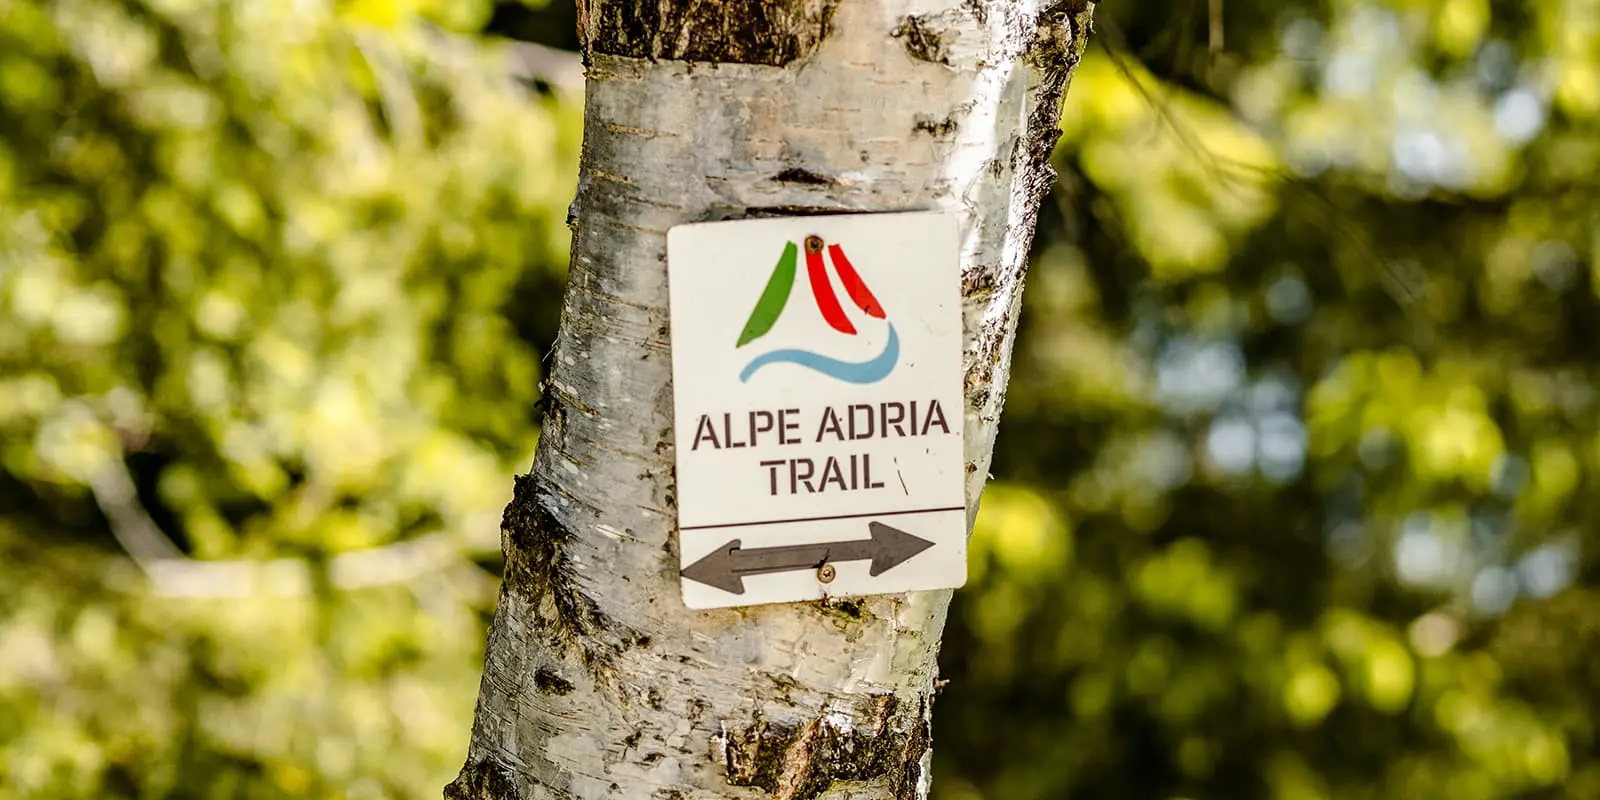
(819, 443)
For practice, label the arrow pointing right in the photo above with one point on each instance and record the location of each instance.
(726, 566)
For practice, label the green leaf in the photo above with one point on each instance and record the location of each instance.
(773, 298)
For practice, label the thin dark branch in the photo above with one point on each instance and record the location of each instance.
(1403, 285)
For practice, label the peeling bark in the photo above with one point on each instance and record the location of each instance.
(923, 38)
(770, 32)
(598, 682)
(800, 761)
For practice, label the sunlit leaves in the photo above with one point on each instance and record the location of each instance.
(1185, 175)
(1183, 582)
(1310, 693)
(1441, 417)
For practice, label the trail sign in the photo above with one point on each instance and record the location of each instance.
(816, 366)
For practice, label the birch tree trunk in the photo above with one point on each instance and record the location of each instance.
(599, 682)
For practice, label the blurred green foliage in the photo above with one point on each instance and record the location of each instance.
(1305, 408)
(1292, 493)
(281, 268)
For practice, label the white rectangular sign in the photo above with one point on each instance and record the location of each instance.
(816, 367)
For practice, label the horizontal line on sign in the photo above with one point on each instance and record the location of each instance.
(820, 519)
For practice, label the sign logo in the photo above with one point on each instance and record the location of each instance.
(775, 298)
(830, 475)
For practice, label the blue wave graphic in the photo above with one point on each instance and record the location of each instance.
(871, 371)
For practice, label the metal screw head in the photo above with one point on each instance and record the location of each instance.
(826, 573)
(813, 244)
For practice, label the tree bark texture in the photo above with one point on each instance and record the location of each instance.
(598, 681)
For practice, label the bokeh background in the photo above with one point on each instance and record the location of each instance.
(1293, 497)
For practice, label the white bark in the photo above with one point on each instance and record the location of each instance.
(599, 683)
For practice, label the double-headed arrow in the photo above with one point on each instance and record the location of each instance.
(726, 566)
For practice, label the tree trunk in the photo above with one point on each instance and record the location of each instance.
(599, 682)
